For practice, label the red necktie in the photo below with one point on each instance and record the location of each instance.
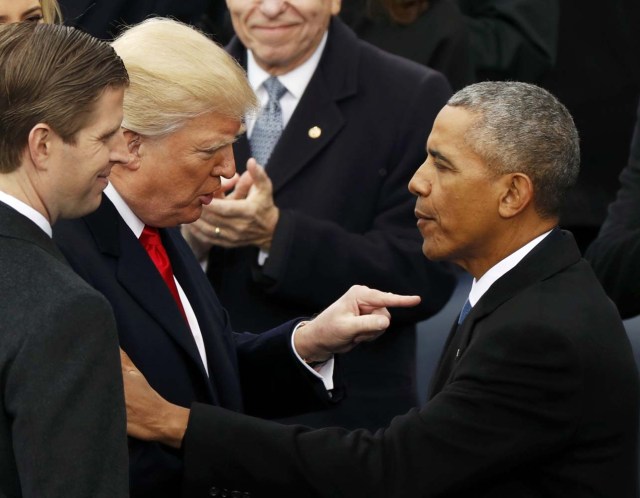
(152, 243)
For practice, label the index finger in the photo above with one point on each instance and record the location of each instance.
(378, 299)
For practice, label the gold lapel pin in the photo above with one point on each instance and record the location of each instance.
(315, 132)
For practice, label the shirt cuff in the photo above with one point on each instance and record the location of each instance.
(262, 257)
(324, 371)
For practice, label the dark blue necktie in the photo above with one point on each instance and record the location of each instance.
(465, 311)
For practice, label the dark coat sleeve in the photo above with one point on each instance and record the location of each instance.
(480, 426)
(541, 402)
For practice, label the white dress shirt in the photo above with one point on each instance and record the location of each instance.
(479, 287)
(28, 211)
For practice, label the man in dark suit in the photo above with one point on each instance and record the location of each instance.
(62, 417)
(615, 253)
(334, 209)
(182, 112)
(536, 393)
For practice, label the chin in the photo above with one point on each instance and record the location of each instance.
(433, 253)
(190, 216)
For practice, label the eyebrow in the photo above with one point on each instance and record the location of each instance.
(438, 155)
(218, 145)
(109, 133)
(26, 13)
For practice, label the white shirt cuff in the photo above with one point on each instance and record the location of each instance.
(323, 371)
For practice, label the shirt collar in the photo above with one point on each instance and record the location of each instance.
(479, 287)
(133, 222)
(295, 81)
(28, 211)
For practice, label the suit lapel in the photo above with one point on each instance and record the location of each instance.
(335, 79)
(555, 253)
(210, 326)
(137, 274)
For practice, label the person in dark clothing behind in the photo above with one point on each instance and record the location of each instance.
(597, 76)
(106, 19)
(432, 33)
(615, 253)
(512, 39)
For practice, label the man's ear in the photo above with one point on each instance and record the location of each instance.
(517, 195)
(41, 143)
(133, 140)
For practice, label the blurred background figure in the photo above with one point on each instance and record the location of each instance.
(334, 209)
(615, 254)
(432, 33)
(512, 39)
(107, 18)
(29, 10)
(597, 76)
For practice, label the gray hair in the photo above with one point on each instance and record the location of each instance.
(523, 128)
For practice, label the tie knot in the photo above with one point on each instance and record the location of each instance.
(150, 236)
(274, 88)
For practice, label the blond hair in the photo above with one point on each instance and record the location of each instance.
(51, 11)
(176, 74)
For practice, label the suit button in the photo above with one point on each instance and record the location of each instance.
(214, 491)
(225, 493)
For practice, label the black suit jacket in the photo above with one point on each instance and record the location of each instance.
(62, 416)
(615, 253)
(536, 395)
(346, 217)
(258, 374)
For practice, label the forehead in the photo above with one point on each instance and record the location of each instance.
(10, 8)
(206, 130)
(451, 127)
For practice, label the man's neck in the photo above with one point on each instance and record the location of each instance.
(18, 185)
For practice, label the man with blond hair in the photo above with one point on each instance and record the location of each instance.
(62, 419)
(183, 110)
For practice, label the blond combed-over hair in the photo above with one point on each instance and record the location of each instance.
(176, 73)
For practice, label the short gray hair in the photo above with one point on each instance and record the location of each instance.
(523, 128)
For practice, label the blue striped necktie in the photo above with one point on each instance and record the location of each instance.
(268, 126)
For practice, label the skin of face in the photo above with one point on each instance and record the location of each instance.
(281, 34)
(20, 10)
(76, 173)
(458, 197)
(173, 176)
